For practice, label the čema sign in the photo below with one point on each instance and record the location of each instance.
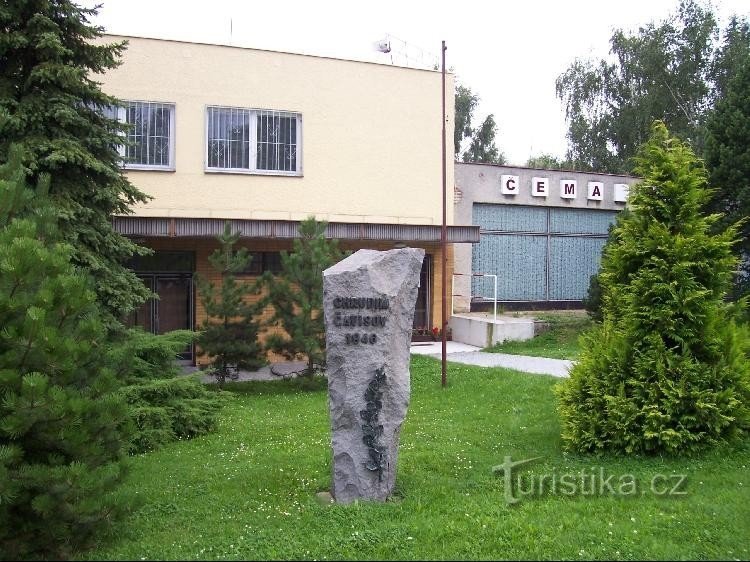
(540, 187)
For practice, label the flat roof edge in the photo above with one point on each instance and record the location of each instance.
(112, 35)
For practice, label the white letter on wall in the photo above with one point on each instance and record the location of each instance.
(596, 190)
(539, 187)
(568, 189)
(508, 185)
(621, 192)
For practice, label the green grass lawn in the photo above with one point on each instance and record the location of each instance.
(559, 342)
(247, 491)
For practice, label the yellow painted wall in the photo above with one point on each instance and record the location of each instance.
(371, 133)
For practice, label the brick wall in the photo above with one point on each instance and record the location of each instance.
(203, 247)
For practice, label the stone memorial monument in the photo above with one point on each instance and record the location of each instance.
(368, 302)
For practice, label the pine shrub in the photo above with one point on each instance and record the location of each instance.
(164, 404)
(164, 410)
(64, 426)
(229, 335)
(297, 296)
(667, 371)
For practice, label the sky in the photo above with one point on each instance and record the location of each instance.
(509, 53)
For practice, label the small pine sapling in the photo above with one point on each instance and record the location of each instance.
(229, 335)
(296, 295)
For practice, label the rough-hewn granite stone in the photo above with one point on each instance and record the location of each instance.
(370, 297)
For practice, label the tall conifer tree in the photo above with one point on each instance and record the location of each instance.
(728, 162)
(667, 371)
(48, 65)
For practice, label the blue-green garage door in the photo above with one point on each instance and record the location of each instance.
(537, 253)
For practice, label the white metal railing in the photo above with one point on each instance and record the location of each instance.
(494, 298)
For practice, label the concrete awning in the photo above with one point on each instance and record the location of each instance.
(184, 227)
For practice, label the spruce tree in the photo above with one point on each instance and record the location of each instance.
(48, 65)
(63, 424)
(297, 296)
(728, 162)
(229, 334)
(667, 371)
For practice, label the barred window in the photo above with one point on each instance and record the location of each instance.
(150, 136)
(277, 141)
(228, 138)
(113, 112)
(253, 140)
(116, 114)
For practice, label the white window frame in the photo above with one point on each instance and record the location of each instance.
(118, 114)
(122, 117)
(253, 145)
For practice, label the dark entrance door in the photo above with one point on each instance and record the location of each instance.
(424, 295)
(172, 310)
(169, 275)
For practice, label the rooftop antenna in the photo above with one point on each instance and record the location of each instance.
(230, 30)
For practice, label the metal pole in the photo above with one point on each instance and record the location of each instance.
(444, 244)
(494, 305)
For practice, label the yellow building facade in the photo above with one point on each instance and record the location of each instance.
(265, 139)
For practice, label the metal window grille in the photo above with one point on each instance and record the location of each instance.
(150, 135)
(277, 141)
(229, 138)
(252, 140)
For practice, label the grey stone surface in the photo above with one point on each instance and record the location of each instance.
(367, 409)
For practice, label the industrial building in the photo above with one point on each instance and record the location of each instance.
(541, 234)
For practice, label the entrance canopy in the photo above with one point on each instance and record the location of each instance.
(203, 227)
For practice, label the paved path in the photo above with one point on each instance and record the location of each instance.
(274, 372)
(431, 348)
(538, 365)
(471, 355)
(457, 353)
